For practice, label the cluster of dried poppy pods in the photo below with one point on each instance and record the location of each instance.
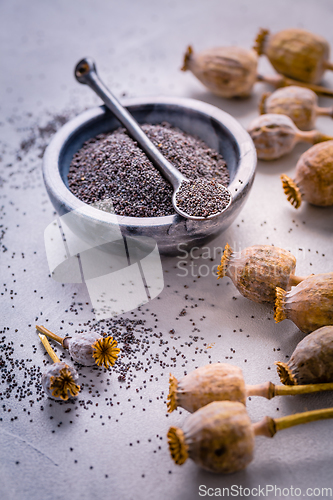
(87, 349)
(219, 436)
(289, 113)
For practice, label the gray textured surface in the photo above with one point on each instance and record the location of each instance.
(139, 47)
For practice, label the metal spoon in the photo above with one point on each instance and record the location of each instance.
(85, 72)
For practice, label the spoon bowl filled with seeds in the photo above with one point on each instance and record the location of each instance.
(97, 172)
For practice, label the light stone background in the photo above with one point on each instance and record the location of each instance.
(138, 47)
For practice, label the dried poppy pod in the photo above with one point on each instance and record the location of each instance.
(309, 305)
(225, 71)
(256, 271)
(312, 360)
(59, 380)
(220, 436)
(276, 135)
(313, 180)
(295, 53)
(299, 103)
(87, 348)
(224, 382)
(278, 81)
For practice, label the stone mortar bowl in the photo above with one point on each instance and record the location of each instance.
(172, 233)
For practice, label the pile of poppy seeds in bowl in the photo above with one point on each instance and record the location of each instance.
(113, 167)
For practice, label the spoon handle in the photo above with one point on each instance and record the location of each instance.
(85, 72)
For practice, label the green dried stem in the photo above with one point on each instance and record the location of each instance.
(177, 445)
(262, 103)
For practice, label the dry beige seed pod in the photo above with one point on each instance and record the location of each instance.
(309, 305)
(295, 53)
(87, 349)
(215, 382)
(276, 135)
(312, 360)
(299, 103)
(224, 382)
(225, 71)
(220, 436)
(313, 180)
(256, 271)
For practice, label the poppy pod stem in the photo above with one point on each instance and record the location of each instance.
(295, 280)
(278, 81)
(324, 111)
(255, 267)
(53, 336)
(221, 382)
(259, 44)
(262, 103)
(49, 349)
(266, 427)
(223, 266)
(328, 65)
(291, 190)
(270, 426)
